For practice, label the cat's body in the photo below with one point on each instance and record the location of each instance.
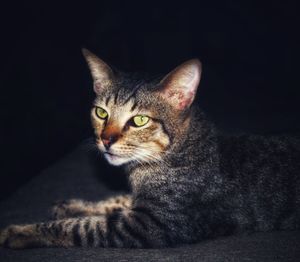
(188, 181)
(225, 185)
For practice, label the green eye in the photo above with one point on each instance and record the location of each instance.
(140, 120)
(101, 113)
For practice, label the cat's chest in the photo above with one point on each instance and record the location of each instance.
(157, 178)
(142, 177)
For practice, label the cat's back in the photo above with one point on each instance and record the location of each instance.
(255, 156)
(262, 175)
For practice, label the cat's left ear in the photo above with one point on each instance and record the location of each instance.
(102, 74)
(179, 87)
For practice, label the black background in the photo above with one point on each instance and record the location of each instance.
(248, 49)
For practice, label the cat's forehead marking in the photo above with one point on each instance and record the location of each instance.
(124, 112)
(119, 110)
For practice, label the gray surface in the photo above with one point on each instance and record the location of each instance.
(79, 176)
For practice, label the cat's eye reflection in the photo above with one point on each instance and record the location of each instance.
(101, 113)
(140, 120)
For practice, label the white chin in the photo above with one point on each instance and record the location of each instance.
(115, 160)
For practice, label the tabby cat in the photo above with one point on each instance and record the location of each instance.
(188, 182)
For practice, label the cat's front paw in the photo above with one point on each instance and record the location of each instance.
(17, 236)
(66, 208)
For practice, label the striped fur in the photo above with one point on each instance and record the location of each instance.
(188, 182)
(78, 208)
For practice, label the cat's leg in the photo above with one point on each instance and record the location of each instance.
(77, 207)
(137, 227)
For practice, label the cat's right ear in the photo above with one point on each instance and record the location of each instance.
(101, 73)
(179, 87)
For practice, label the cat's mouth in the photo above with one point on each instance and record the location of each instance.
(110, 154)
(114, 159)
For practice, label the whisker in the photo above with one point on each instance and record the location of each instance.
(150, 157)
(151, 148)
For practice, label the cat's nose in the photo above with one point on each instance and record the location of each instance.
(108, 140)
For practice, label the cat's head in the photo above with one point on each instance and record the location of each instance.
(138, 120)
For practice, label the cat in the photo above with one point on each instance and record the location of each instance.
(188, 182)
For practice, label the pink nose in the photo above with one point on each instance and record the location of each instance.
(108, 141)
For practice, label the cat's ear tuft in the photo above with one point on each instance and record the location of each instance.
(101, 73)
(179, 87)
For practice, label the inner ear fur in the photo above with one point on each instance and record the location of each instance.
(179, 87)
